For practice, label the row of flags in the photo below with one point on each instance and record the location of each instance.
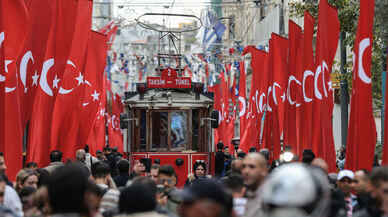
(291, 95)
(52, 81)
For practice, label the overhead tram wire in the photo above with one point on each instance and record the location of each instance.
(190, 4)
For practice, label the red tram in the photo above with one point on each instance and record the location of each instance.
(168, 118)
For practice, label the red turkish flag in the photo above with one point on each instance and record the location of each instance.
(96, 140)
(14, 23)
(59, 46)
(242, 98)
(106, 28)
(327, 43)
(294, 86)
(221, 103)
(271, 134)
(305, 132)
(116, 137)
(279, 52)
(111, 36)
(31, 60)
(361, 142)
(280, 75)
(257, 99)
(93, 94)
(66, 111)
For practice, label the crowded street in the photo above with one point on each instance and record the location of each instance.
(193, 108)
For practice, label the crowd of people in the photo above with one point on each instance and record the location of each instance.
(247, 185)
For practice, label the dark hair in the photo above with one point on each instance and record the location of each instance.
(167, 170)
(146, 181)
(56, 156)
(241, 155)
(1, 154)
(252, 149)
(86, 148)
(220, 145)
(233, 182)
(379, 174)
(308, 156)
(66, 189)
(100, 169)
(31, 164)
(107, 148)
(123, 166)
(44, 176)
(137, 198)
(199, 163)
(27, 174)
(155, 166)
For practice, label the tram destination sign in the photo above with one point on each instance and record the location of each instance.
(168, 79)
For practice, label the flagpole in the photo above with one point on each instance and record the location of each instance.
(344, 92)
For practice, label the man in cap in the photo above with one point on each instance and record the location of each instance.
(344, 183)
(206, 197)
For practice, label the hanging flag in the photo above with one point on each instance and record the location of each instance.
(257, 97)
(242, 98)
(326, 48)
(293, 86)
(14, 24)
(56, 58)
(211, 32)
(305, 133)
(279, 51)
(361, 142)
(94, 93)
(66, 113)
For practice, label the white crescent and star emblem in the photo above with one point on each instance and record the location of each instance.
(364, 44)
(43, 79)
(243, 106)
(274, 92)
(318, 94)
(305, 75)
(290, 79)
(23, 68)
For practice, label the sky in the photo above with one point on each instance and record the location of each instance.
(131, 9)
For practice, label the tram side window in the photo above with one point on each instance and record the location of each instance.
(195, 125)
(143, 130)
(159, 129)
(178, 130)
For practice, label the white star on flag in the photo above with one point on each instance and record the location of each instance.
(56, 81)
(80, 79)
(95, 95)
(35, 78)
(283, 97)
(330, 85)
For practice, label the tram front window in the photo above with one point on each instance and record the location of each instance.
(178, 134)
(159, 130)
